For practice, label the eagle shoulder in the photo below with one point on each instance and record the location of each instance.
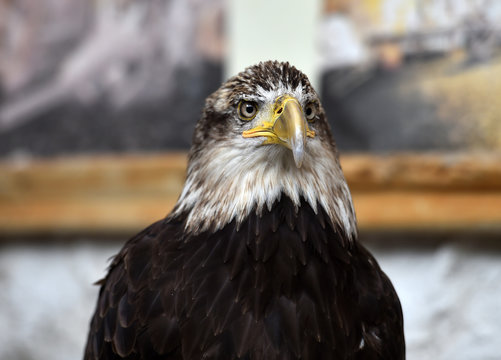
(130, 321)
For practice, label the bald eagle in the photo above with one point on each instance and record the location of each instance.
(259, 259)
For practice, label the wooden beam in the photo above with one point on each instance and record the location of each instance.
(122, 194)
(432, 172)
(428, 210)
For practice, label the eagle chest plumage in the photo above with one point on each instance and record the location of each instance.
(286, 284)
(260, 258)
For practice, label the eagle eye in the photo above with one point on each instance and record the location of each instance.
(247, 110)
(310, 111)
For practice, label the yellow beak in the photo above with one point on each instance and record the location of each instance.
(288, 127)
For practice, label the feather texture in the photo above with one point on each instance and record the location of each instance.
(305, 300)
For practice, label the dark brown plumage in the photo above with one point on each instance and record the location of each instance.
(266, 268)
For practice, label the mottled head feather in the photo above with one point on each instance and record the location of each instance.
(230, 176)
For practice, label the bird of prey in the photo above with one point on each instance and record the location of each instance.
(260, 258)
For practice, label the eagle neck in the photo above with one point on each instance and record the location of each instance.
(229, 189)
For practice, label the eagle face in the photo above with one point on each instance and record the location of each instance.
(263, 135)
(277, 108)
(272, 103)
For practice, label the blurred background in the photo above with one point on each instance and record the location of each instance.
(98, 101)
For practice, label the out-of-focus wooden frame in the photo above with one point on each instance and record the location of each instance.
(122, 194)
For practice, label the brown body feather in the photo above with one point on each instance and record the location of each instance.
(259, 259)
(280, 287)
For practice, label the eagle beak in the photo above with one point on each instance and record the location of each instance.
(288, 127)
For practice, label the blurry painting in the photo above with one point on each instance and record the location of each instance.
(99, 76)
(80, 76)
(413, 75)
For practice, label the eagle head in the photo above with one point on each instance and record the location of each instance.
(263, 135)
